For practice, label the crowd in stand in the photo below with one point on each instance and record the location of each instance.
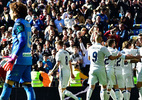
(76, 22)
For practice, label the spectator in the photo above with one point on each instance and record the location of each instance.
(36, 77)
(86, 62)
(70, 48)
(79, 77)
(43, 75)
(36, 22)
(75, 57)
(69, 22)
(46, 63)
(104, 18)
(59, 23)
(43, 15)
(29, 16)
(39, 52)
(35, 57)
(88, 23)
(111, 34)
(47, 47)
(85, 36)
(52, 57)
(123, 33)
(29, 4)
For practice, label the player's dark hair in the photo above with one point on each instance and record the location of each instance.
(60, 43)
(75, 47)
(110, 42)
(88, 44)
(19, 9)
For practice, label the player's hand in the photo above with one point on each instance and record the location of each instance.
(72, 76)
(119, 54)
(10, 62)
(138, 57)
(45, 66)
(50, 73)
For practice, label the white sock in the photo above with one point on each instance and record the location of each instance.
(89, 93)
(117, 93)
(125, 94)
(128, 94)
(68, 93)
(140, 98)
(121, 95)
(140, 91)
(61, 94)
(112, 94)
(104, 94)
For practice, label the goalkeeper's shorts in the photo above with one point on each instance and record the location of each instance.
(19, 73)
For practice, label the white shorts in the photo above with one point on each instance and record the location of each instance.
(111, 77)
(139, 66)
(64, 78)
(119, 79)
(128, 80)
(99, 74)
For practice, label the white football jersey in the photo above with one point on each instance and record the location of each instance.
(119, 63)
(64, 58)
(127, 65)
(108, 62)
(97, 53)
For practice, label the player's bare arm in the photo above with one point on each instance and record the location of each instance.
(70, 64)
(56, 66)
(114, 57)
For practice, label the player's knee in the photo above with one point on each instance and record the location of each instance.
(104, 86)
(139, 84)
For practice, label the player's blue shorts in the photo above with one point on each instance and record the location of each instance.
(19, 73)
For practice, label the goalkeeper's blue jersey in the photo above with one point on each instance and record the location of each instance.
(21, 35)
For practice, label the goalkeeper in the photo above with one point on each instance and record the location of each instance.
(18, 65)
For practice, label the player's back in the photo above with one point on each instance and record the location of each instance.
(119, 63)
(127, 68)
(64, 57)
(97, 53)
(108, 62)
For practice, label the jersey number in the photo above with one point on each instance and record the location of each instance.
(94, 57)
(106, 61)
(66, 60)
(118, 62)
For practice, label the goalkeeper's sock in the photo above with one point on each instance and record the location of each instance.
(30, 92)
(6, 92)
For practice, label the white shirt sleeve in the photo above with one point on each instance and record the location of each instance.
(105, 51)
(58, 57)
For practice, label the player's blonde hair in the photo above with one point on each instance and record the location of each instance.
(98, 38)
